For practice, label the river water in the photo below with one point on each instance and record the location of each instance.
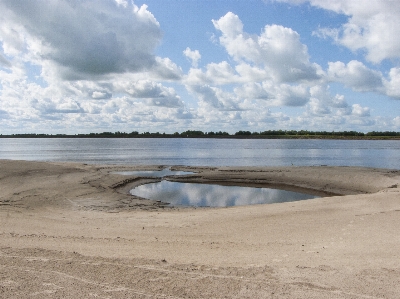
(206, 152)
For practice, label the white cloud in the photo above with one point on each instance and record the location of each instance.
(360, 111)
(215, 73)
(322, 93)
(194, 56)
(165, 69)
(123, 3)
(323, 103)
(221, 73)
(396, 122)
(12, 38)
(84, 38)
(278, 49)
(90, 66)
(154, 94)
(271, 94)
(355, 75)
(372, 26)
(290, 95)
(4, 61)
(318, 107)
(273, 67)
(393, 84)
(207, 94)
(101, 95)
(254, 90)
(230, 25)
(250, 73)
(165, 101)
(48, 106)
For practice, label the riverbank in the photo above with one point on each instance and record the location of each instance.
(395, 136)
(72, 230)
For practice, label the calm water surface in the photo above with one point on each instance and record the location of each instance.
(206, 152)
(207, 195)
(154, 173)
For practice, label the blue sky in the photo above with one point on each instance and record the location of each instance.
(212, 65)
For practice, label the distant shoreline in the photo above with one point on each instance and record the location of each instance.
(336, 136)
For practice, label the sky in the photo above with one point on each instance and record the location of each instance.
(82, 66)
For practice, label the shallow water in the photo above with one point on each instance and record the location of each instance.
(208, 195)
(154, 173)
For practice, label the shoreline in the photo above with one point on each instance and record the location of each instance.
(71, 230)
(244, 135)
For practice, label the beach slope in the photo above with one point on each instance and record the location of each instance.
(73, 231)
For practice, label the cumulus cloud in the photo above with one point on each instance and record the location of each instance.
(278, 49)
(360, 78)
(289, 95)
(165, 69)
(370, 27)
(275, 95)
(355, 75)
(155, 94)
(98, 71)
(123, 3)
(4, 62)
(12, 37)
(194, 56)
(318, 107)
(393, 83)
(82, 38)
(322, 102)
(249, 73)
(207, 94)
(273, 67)
(323, 94)
(360, 111)
(48, 106)
(215, 73)
(396, 121)
(254, 90)
(165, 101)
(101, 95)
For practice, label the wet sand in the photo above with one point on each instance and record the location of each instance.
(73, 231)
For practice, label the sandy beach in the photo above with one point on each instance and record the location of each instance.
(73, 231)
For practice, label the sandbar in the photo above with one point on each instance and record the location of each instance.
(72, 230)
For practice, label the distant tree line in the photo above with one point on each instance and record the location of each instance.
(220, 134)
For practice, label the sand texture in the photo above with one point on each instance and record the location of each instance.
(73, 231)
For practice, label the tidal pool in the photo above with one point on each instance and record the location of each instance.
(154, 173)
(208, 195)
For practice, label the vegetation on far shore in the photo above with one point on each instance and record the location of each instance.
(270, 134)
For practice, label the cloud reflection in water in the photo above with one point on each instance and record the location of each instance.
(201, 195)
(154, 173)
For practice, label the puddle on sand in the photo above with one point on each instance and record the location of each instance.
(154, 173)
(208, 195)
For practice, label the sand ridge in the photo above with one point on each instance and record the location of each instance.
(71, 231)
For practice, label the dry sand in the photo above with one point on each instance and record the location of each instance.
(72, 231)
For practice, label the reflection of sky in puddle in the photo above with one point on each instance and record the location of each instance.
(154, 173)
(201, 195)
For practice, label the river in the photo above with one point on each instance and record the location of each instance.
(205, 152)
